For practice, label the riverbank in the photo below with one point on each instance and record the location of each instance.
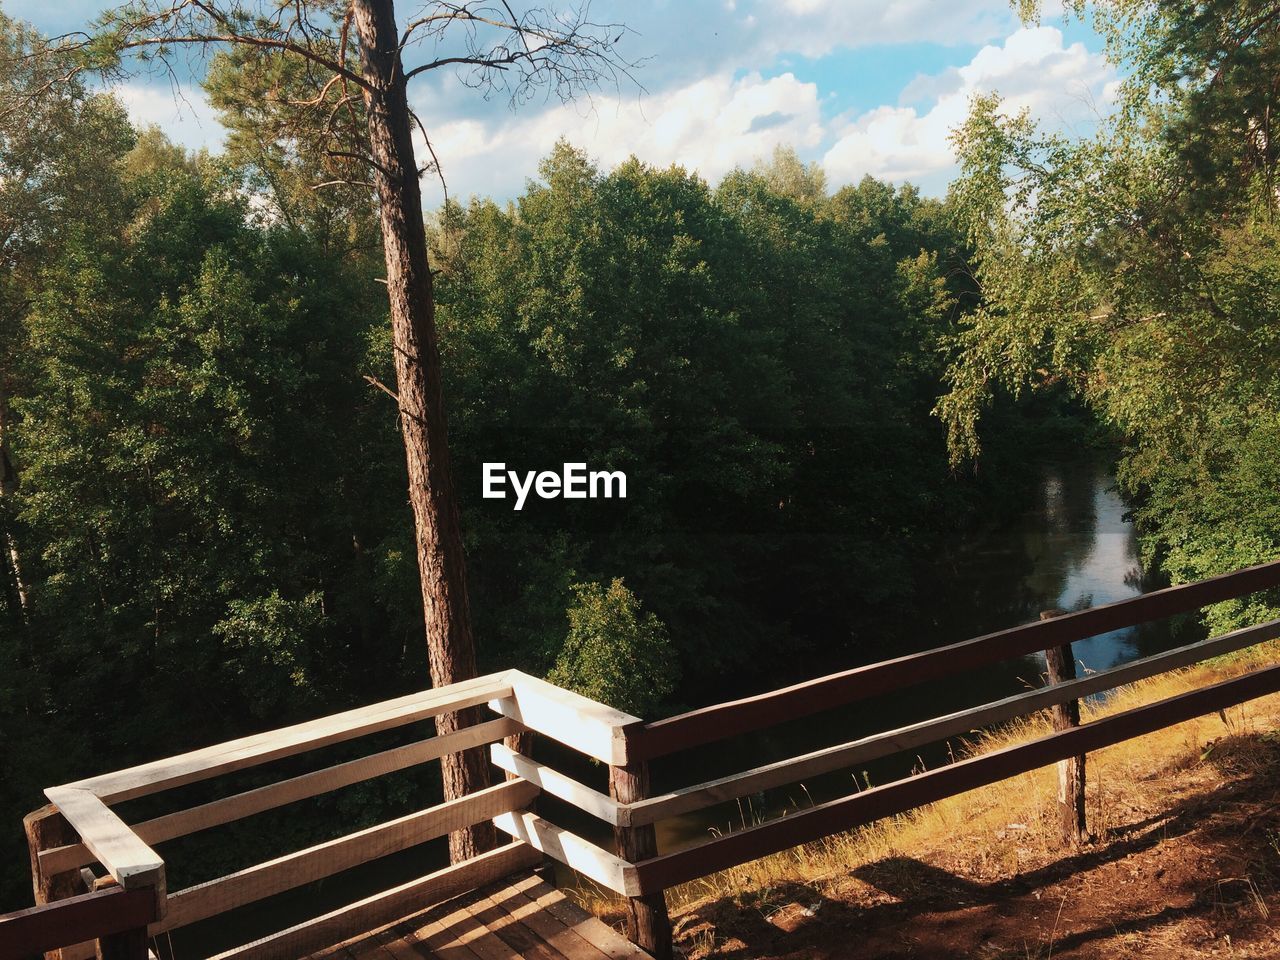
(1185, 859)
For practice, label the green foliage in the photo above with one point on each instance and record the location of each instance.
(615, 654)
(187, 378)
(59, 145)
(207, 490)
(273, 108)
(207, 496)
(762, 367)
(1140, 268)
(788, 176)
(269, 641)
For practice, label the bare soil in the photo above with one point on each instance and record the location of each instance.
(1189, 867)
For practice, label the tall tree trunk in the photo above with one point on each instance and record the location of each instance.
(451, 651)
(12, 567)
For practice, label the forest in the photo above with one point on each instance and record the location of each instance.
(203, 510)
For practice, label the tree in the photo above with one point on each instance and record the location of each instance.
(1140, 267)
(614, 653)
(260, 104)
(788, 176)
(51, 152)
(498, 51)
(180, 367)
(763, 368)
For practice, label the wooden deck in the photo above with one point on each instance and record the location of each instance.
(517, 919)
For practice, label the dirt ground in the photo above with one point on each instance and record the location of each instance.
(1190, 868)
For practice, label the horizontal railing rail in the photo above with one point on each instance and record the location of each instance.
(238, 806)
(574, 720)
(737, 717)
(125, 853)
(642, 874)
(386, 906)
(844, 755)
(89, 916)
(590, 728)
(521, 705)
(149, 778)
(901, 796)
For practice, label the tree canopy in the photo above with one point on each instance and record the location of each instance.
(206, 512)
(202, 506)
(1141, 267)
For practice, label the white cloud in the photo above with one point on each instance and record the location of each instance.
(724, 118)
(183, 114)
(681, 41)
(1065, 87)
(716, 123)
(710, 125)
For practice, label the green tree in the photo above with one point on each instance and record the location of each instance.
(789, 176)
(763, 370)
(594, 321)
(269, 107)
(614, 653)
(51, 156)
(1140, 268)
(185, 374)
(350, 61)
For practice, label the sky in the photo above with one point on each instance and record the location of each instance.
(860, 86)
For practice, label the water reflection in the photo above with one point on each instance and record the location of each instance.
(1074, 548)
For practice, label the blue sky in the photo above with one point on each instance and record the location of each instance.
(861, 86)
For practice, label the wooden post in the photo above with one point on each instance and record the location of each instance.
(648, 925)
(1061, 666)
(130, 945)
(47, 828)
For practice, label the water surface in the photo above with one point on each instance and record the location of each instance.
(1074, 547)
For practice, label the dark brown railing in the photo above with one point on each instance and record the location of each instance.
(104, 916)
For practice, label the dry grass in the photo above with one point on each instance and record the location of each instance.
(996, 831)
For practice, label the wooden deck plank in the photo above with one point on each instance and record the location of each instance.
(607, 940)
(520, 918)
(368, 948)
(401, 944)
(459, 931)
(527, 945)
(386, 909)
(559, 937)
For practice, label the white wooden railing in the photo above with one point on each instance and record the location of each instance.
(519, 704)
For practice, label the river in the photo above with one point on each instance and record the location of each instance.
(1073, 547)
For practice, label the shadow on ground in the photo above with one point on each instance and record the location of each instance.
(1196, 879)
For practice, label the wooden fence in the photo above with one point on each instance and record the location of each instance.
(140, 906)
(136, 906)
(644, 878)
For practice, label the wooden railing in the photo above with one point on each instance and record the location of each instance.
(113, 918)
(644, 878)
(635, 870)
(137, 874)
